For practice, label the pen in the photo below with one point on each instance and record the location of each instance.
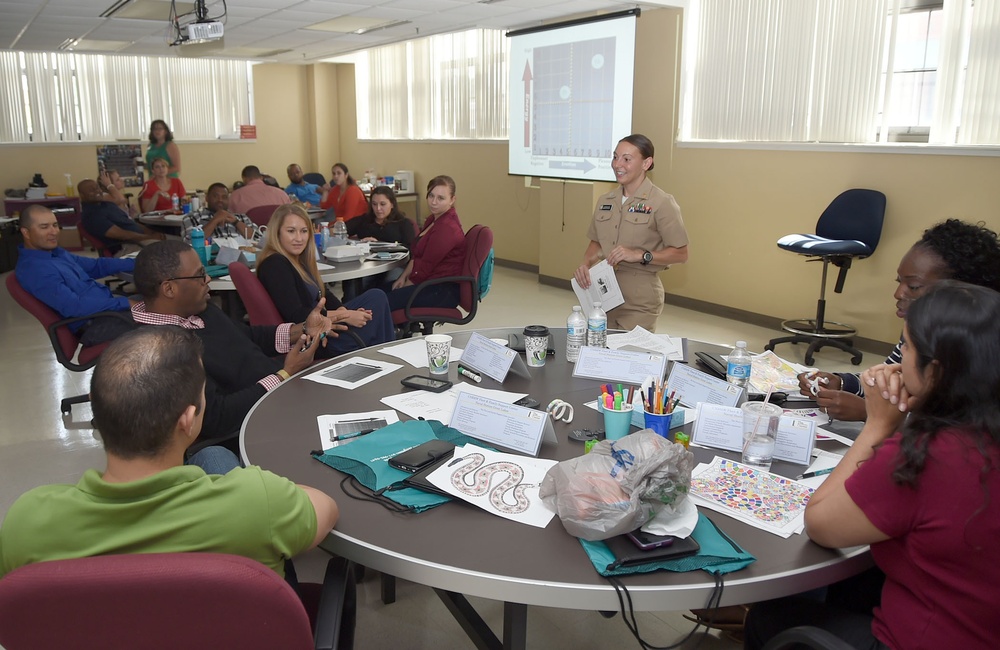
(819, 472)
(348, 436)
(322, 335)
(468, 373)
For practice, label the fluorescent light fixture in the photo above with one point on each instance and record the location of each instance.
(347, 24)
(378, 28)
(145, 9)
(92, 45)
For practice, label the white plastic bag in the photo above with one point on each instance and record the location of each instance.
(612, 490)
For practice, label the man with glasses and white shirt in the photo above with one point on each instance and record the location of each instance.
(239, 360)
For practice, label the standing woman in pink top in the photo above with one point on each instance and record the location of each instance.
(439, 252)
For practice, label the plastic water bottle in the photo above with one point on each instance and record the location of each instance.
(738, 370)
(324, 228)
(597, 327)
(175, 202)
(576, 333)
(340, 231)
(198, 242)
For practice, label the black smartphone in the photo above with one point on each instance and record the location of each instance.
(417, 458)
(648, 542)
(426, 383)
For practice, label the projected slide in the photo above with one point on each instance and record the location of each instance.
(571, 99)
(571, 115)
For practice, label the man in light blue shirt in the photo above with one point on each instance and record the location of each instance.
(303, 191)
(66, 282)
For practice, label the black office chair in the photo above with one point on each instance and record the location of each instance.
(808, 637)
(314, 177)
(849, 228)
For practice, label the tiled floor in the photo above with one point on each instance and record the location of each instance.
(37, 446)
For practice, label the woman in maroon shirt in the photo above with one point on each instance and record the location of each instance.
(439, 252)
(920, 489)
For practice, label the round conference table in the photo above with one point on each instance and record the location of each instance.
(330, 272)
(459, 549)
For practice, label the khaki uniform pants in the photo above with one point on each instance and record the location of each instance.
(643, 294)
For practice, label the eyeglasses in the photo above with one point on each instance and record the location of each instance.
(203, 276)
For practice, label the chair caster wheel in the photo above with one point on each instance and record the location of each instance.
(809, 360)
(856, 360)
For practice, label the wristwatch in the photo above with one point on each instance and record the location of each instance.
(647, 257)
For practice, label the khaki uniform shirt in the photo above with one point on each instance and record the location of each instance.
(650, 220)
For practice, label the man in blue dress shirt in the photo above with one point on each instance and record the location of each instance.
(303, 191)
(66, 282)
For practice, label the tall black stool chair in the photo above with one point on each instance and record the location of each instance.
(848, 229)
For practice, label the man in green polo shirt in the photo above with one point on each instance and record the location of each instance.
(148, 396)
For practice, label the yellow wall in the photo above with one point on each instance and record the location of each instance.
(285, 121)
(485, 193)
(736, 203)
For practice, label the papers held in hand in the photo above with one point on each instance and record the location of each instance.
(603, 287)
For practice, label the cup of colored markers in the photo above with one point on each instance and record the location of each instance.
(617, 408)
(658, 409)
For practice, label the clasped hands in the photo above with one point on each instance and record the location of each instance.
(885, 394)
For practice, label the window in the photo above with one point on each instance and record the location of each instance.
(62, 97)
(842, 71)
(447, 87)
(914, 63)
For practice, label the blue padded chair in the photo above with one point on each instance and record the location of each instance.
(848, 229)
(314, 177)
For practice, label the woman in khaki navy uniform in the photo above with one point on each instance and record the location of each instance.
(638, 229)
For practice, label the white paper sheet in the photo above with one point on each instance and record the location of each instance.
(354, 372)
(643, 338)
(502, 484)
(767, 501)
(603, 287)
(824, 460)
(326, 424)
(414, 352)
(440, 406)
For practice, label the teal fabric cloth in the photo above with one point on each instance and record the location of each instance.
(718, 554)
(367, 459)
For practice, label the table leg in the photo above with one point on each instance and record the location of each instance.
(515, 623)
(515, 626)
(388, 584)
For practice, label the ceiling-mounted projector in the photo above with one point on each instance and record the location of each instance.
(203, 32)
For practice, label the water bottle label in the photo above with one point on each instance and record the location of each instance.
(738, 370)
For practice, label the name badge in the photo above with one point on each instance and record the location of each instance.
(605, 208)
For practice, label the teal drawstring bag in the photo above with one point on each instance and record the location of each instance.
(367, 460)
(718, 554)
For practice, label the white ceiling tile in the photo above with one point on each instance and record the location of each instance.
(280, 23)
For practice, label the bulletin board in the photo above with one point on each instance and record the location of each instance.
(126, 159)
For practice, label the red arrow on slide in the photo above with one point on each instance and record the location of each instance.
(526, 78)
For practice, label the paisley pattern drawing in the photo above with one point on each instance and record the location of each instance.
(475, 479)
